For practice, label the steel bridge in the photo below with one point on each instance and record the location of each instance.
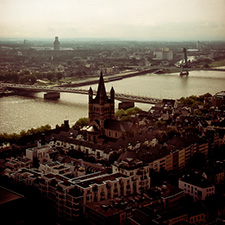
(118, 96)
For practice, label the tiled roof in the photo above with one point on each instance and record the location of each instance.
(122, 126)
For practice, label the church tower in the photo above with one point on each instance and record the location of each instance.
(101, 107)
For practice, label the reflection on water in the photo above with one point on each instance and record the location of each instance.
(20, 112)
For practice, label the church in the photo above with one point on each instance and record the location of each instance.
(103, 125)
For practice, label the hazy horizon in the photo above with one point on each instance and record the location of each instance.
(153, 20)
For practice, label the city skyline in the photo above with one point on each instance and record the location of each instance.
(131, 20)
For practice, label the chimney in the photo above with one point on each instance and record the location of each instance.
(42, 138)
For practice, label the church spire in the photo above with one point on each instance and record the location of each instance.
(112, 94)
(101, 96)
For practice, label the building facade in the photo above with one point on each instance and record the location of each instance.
(196, 186)
(56, 44)
(101, 107)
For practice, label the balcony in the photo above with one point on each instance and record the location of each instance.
(69, 205)
(61, 203)
(60, 196)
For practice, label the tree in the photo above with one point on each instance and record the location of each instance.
(14, 77)
(81, 123)
(50, 76)
(29, 78)
(59, 75)
(126, 114)
(120, 113)
(13, 138)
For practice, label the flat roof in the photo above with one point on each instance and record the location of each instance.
(100, 179)
(7, 195)
(197, 179)
(170, 191)
(85, 177)
(56, 176)
(105, 208)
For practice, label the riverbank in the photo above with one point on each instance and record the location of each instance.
(109, 78)
(22, 112)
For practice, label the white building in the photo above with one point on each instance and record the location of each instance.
(13, 164)
(196, 186)
(136, 170)
(164, 54)
(56, 168)
(42, 153)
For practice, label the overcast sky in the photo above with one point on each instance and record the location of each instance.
(126, 19)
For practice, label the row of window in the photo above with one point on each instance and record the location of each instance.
(197, 218)
(109, 134)
(97, 109)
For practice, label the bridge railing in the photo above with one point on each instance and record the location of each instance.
(118, 96)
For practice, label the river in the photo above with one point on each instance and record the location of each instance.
(23, 112)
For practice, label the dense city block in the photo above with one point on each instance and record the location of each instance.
(162, 166)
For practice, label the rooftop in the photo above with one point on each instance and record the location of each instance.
(169, 190)
(100, 179)
(51, 164)
(105, 208)
(122, 126)
(173, 214)
(196, 179)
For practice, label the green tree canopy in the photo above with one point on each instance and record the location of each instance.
(126, 114)
(13, 138)
(28, 78)
(81, 123)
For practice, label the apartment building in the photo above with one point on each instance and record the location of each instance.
(105, 212)
(26, 176)
(42, 153)
(13, 164)
(56, 168)
(136, 170)
(70, 195)
(196, 186)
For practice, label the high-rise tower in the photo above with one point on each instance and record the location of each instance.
(56, 44)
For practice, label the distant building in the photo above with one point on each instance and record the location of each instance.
(164, 54)
(126, 105)
(199, 45)
(219, 99)
(56, 44)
